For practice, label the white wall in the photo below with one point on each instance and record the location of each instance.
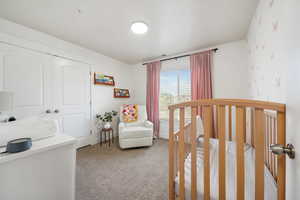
(274, 48)
(102, 96)
(230, 78)
(139, 78)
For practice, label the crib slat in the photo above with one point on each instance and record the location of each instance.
(193, 155)
(272, 142)
(181, 155)
(222, 150)
(176, 155)
(230, 122)
(267, 153)
(207, 134)
(240, 163)
(171, 156)
(215, 114)
(266, 140)
(252, 126)
(281, 159)
(259, 154)
(276, 142)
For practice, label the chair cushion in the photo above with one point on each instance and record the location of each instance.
(138, 123)
(136, 132)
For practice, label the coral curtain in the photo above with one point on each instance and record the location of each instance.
(201, 80)
(153, 86)
(201, 75)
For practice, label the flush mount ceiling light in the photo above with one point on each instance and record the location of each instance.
(139, 28)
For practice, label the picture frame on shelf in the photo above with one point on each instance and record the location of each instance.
(121, 93)
(101, 79)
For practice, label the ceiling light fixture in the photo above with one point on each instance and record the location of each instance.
(139, 28)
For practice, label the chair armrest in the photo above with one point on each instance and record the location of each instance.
(122, 125)
(148, 124)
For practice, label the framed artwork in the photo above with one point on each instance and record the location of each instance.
(101, 79)
(121, 93)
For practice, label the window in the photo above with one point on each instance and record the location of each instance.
(175, 87)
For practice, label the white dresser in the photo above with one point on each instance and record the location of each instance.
(46, 171)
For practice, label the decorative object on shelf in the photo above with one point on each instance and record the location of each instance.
(121, 93)
(106, 118)
(101, 79)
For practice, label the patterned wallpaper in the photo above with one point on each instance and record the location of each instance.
(267, 73)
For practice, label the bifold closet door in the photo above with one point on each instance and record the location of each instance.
(45, 85)
(25, 73)
(71, 98)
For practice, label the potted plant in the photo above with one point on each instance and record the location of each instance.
(107, 118)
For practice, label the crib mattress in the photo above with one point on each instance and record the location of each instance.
(270, 185)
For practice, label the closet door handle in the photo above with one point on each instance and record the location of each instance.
(48, 111)
(56, 111)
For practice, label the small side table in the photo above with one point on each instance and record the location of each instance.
(109, 132)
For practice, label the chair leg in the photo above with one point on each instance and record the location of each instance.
(112, 131)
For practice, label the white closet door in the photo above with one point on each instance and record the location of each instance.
(71, 97)
(24, 73)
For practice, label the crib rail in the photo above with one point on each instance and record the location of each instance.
(257, 123)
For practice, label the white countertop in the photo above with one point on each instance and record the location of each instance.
(39, 146)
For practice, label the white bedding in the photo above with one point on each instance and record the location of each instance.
(270, 185)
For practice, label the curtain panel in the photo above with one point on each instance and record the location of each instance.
(152, 101)
(201, 81)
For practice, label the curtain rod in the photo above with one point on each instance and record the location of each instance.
(176, 57)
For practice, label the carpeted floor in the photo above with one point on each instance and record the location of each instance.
(105, 173)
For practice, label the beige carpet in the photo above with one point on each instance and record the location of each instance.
(112, 174)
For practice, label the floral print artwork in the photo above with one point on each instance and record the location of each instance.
(130, 112)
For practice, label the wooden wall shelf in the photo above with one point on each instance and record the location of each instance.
(112, 83)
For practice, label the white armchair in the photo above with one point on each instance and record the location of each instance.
(136, 134)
